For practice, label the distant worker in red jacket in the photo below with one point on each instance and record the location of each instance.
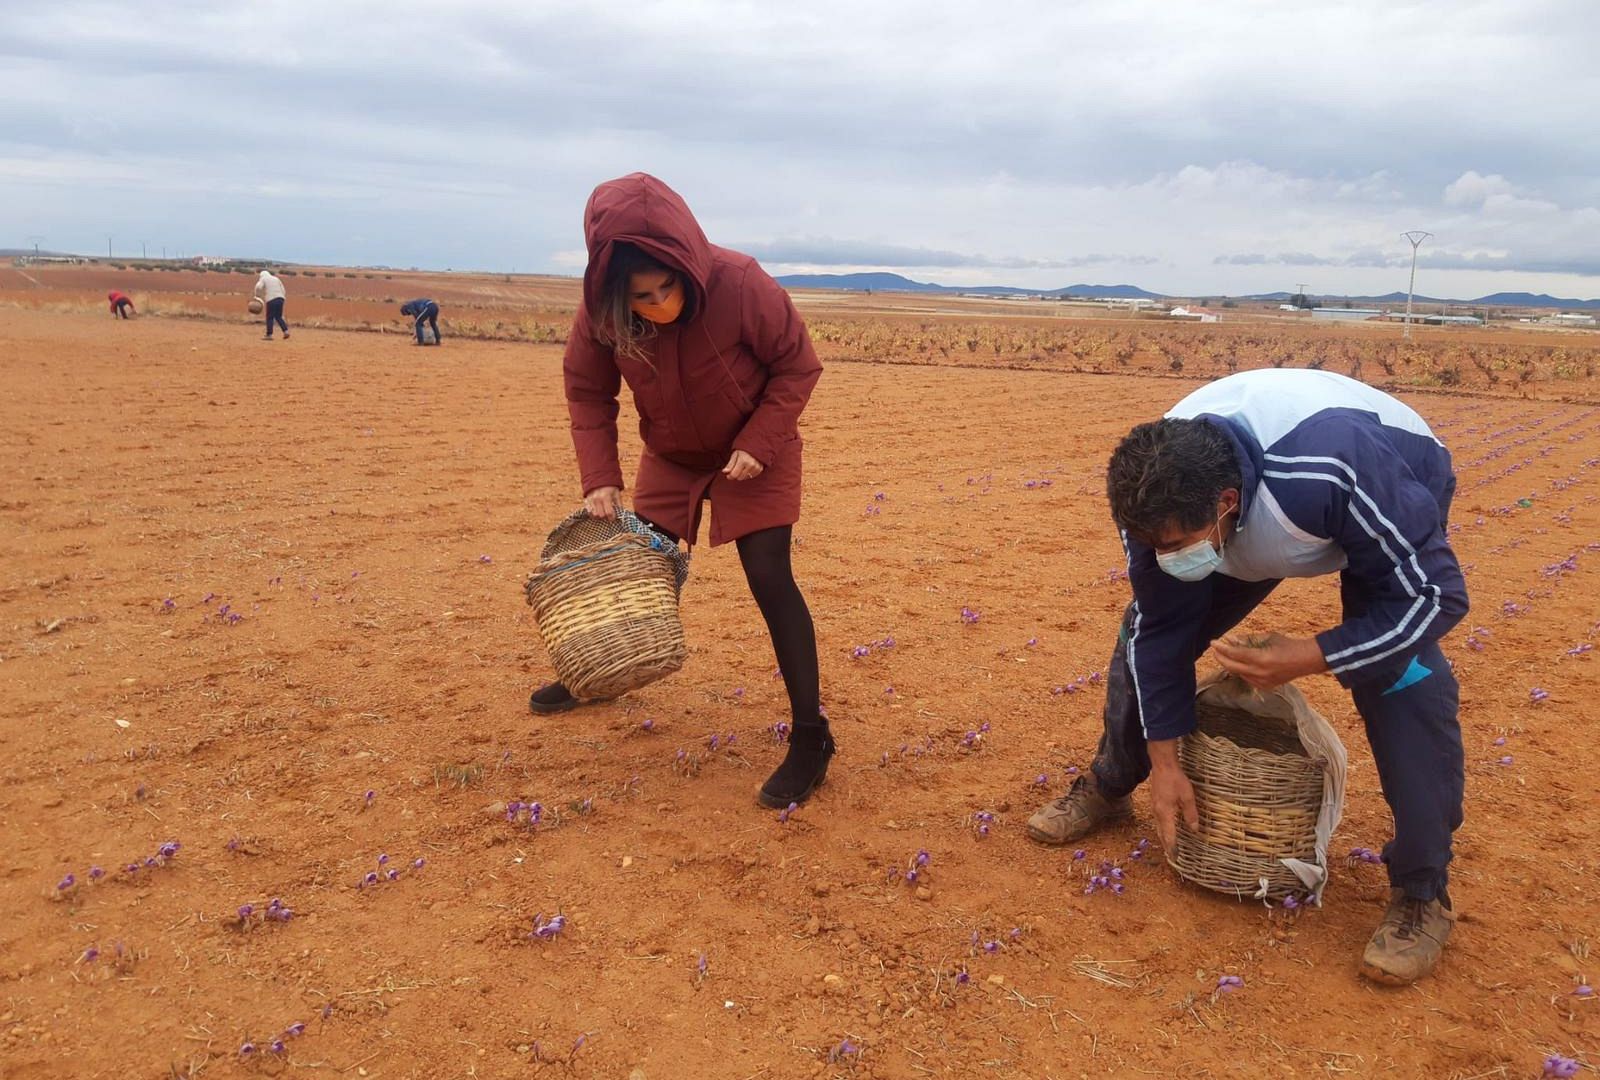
(120, 304)
(721, 366)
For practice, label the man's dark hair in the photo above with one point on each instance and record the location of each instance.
(1169, 471)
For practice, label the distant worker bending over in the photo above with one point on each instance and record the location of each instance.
(120, 304)
(423, 311)
(270, 291)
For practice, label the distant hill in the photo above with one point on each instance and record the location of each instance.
(1541, 300)
(884, 282)
(1500, 299)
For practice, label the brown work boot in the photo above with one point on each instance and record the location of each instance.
(1407, 944)
(1077, 813)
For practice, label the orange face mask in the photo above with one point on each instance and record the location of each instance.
(663, 313)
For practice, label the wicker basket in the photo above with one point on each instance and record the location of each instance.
(1259, 794)
(605, 597)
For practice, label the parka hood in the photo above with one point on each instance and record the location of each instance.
(641, 210)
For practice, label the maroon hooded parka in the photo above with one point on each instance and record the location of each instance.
(732, 373)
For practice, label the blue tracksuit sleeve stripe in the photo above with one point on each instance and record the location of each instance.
(1169, 615)
(1407, 582)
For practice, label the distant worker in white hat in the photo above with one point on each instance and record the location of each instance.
(270, 291)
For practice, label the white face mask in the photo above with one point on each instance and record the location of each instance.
(1194, 562)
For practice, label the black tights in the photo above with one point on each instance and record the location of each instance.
(765, 558)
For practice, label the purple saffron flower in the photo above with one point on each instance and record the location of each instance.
(277, 1046)
(962, 978)
(546, 930)
(371, 878)
(246, 1049)
(295, 1030)
(245, 911)
(485, 559)
(1537, 695)
(88, 955)
(169, 849)
(383, 860)
(1118, 888)
(783, 815)
(393, 875)
(860, 652)
(66, 883)
(370, 796)
(648, 725)
(1290, 903)
(1506, 760)
(969, 616)
(1226, 984)
(327, 1010)
(1501, 741)
(418, 863)
(1584, 990)
(1042, 780)
(701, 965)
(1557, 1066)
(991, 947)
(1079, 855)
(844, 1050)
(923, 858)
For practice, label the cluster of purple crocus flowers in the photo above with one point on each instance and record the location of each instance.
(1077, 685)
(278, 1045)
(861, 652)
(545, 929)
(916, 868)
(386, 872)
(275, 911)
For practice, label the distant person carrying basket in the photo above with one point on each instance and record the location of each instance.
(721, 366)
(120, 305)
(423, 311)
(1255, 478)
(270, 291)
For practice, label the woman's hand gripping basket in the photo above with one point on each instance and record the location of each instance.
(605, 597)
(1268, 774)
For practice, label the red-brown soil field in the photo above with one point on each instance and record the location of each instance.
(246, 583)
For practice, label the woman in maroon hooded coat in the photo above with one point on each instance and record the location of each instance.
(721, 367)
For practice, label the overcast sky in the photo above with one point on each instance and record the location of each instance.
(1187, 148)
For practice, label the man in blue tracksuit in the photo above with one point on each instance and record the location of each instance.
(1258, 477)
(423, 311)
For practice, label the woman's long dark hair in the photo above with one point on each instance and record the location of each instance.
(615, 324)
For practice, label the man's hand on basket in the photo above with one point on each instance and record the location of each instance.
(1268, 661)
(603, 502)
(741, 466)
(1171, 794)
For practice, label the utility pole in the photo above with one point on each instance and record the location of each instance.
(1416, 236)
(108, 247)
(142, 253)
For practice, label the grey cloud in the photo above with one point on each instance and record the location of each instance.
(398, 132)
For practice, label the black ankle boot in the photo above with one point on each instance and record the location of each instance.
(552, 698)
(803, 769)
